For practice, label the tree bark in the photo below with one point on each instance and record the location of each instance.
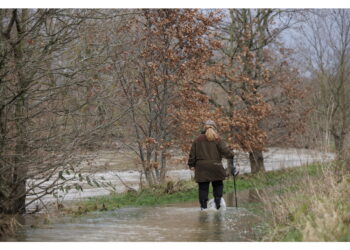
(339, 145)
(162, 166)
(256, 160)
(19, 170)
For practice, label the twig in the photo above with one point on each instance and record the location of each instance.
(130, 188)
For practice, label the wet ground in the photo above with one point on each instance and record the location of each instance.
(180, 222)
(170, 223)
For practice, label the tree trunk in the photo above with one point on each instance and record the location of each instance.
(19, 169)
(162, 166)
(148, 177)
(256, 160)
(148, 174)
(339, 145)
(157, 167)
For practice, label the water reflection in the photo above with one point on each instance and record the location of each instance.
(170, 223)
(173, 223)
(211, 228)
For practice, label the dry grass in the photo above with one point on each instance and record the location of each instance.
(313, 208)
(8, 225)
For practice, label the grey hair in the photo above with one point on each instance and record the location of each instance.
(210, 123)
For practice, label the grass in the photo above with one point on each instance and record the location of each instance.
(317, 208)
(183, 191)
(170, 192)
(8, 225)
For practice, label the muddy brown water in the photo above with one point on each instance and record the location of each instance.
(179, 222)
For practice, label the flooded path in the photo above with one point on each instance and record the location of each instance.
(180, 222)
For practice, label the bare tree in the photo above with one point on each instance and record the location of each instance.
(326, 53)
(50, 100)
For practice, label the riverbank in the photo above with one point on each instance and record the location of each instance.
(257, 197)
(117, 180)
(182, 190)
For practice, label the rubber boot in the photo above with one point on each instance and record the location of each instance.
(203, 204)
(217, 202)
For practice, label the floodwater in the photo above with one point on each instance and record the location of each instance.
(180, 222)
(274, 158)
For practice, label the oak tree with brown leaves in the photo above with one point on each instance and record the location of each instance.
(172, 47)
(247, 77)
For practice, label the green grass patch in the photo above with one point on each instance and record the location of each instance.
(171, 192)
(293, 235)
(272, 178)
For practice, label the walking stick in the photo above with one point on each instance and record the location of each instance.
(234, 173)
(234, 184)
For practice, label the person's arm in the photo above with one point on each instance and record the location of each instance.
(229, 155)
(192, 157)
(225, 150)
(232, 167)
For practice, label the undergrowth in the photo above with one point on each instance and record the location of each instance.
(8, 225)
(311, 207)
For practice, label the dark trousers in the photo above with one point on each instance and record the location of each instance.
(203, 188)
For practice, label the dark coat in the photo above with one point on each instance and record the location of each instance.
(205, 157)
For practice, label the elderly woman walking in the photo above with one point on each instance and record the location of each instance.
(205, 159)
